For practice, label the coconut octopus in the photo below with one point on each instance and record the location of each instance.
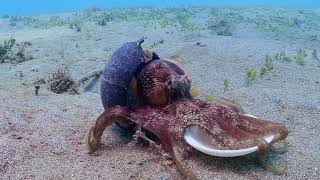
(164, 111)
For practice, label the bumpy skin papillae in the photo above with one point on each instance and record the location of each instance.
(118, 73)
(168, 114)
(228, 130)
(226, 123)
(162, 83)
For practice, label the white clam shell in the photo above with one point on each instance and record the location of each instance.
(194, 137)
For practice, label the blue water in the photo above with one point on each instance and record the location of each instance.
(34, 7)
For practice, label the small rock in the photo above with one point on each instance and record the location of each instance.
(200, 44)
(34, 70)
(27, 43)
(39, 81)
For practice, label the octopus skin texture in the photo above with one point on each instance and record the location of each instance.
(166, 110)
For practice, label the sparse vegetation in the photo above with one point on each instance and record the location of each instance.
(6, 48)
(146, 23)
(14, 52)
(268, 62)
(226, 84)
(61, 50)
(189, 27)
(277, 24)
(75, 26)
(163, 23)
(221, 28)
(208, 98)
(300, 57)
(287, 59)
(263, 72)
(25, 20)
(44, 23)
(102, 22)
(53, 21)
(251, 75)
(104, 19)
(226, 31)
(280, 56)
(222, 21)
(315, 56)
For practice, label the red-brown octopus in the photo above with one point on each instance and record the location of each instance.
(167, 111)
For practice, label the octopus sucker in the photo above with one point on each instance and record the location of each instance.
(165, 109)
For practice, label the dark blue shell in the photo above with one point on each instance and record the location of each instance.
(119, 71)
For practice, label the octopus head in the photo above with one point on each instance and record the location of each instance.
(162, 82)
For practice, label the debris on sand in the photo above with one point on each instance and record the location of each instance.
(60, 81)
(36, 91)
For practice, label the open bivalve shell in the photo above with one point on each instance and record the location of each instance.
(195, 137)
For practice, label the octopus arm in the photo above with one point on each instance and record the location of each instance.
(262, 128)
(181, 164)
(228, 130)
(117, 114)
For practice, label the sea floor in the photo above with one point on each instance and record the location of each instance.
(43, 137)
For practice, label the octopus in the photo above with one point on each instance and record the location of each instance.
(164, 112)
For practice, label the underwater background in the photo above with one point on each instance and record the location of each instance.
(33, 7)
(263, 55)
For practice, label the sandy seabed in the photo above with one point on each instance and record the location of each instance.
(42, 137)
